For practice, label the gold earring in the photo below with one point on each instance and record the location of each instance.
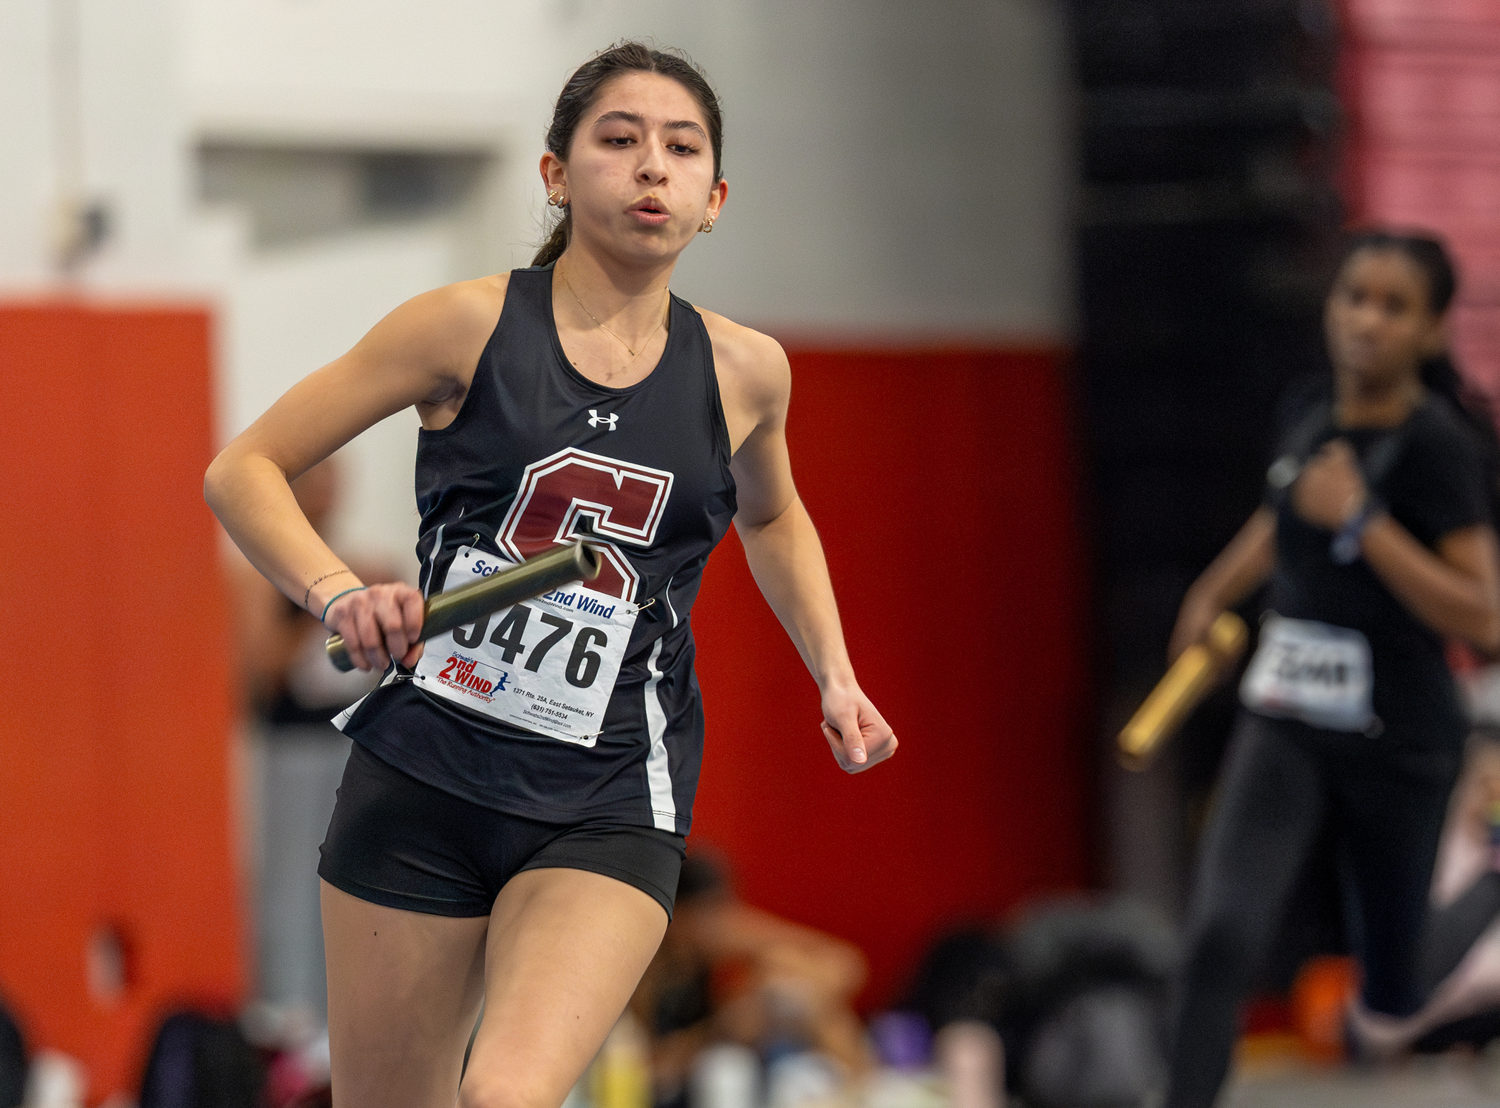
(708, 226)
(556, 199)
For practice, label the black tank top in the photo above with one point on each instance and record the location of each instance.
(538, 454)
(1429, 474)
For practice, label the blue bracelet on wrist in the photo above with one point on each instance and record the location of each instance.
(346, 592)
(1347, 541)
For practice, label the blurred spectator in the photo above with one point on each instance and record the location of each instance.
(285, 678)
(729, 972)
(1462, 948)
(290, 691)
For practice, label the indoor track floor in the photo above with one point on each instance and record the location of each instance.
(1446, 1081)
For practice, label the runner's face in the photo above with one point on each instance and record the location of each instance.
(1378, 321)
(640, 173)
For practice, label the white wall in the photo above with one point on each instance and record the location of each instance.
(91, 109)
(897, 171)
(26, 166)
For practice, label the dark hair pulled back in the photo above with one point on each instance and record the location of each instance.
(1438, 371)
(583, 89)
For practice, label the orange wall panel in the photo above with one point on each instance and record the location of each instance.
(114, 734)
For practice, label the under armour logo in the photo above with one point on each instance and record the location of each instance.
(595, 419)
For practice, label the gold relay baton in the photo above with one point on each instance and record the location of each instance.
(1182, 688)
(472, 602)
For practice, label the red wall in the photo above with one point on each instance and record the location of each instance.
(942, 484)
(115, 719)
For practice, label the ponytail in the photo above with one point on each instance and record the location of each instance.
(556, 241)
(1442, 378)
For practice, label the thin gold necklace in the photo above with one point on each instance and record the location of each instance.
(606, 330)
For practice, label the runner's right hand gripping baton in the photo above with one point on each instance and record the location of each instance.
(1178, 693)
(472, 602)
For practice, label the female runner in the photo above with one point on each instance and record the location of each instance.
(511, 822)
(1376, 537)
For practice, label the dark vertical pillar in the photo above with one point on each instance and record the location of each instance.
(1208, 211)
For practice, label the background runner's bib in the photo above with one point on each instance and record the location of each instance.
(548, 665)
(1311, 671)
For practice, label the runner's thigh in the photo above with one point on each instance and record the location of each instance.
(404, 990)
(566, 950)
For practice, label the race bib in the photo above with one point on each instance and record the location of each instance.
(1311, 671)
(548, 665)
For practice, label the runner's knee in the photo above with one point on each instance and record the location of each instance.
(505, 1090)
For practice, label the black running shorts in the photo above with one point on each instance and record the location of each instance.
(396, 841)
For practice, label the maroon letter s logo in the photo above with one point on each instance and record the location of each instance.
(624, 502)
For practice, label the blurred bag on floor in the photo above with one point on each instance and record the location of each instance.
(201, 1062)
(1078, 991)
(965, 975)
(1086, 1019)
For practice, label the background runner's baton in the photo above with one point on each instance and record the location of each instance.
(1178, 693)
(472, 602)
